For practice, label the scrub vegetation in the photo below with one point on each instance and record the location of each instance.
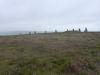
(65, 53)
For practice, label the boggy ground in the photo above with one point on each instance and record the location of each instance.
(67, 53)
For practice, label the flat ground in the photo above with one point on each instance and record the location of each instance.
(68, 53)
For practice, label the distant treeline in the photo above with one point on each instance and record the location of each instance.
(73, 30)
(79, 30)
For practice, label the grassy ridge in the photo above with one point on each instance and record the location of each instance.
(69, 53)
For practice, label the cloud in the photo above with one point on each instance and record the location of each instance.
(49, 14)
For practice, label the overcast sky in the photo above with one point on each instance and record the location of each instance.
(38, 15)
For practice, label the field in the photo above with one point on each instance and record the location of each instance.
(66, 53)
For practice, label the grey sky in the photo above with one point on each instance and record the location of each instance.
(49, 14)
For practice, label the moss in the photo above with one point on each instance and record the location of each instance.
(92, 66)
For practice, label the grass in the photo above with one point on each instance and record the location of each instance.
(68, 53)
